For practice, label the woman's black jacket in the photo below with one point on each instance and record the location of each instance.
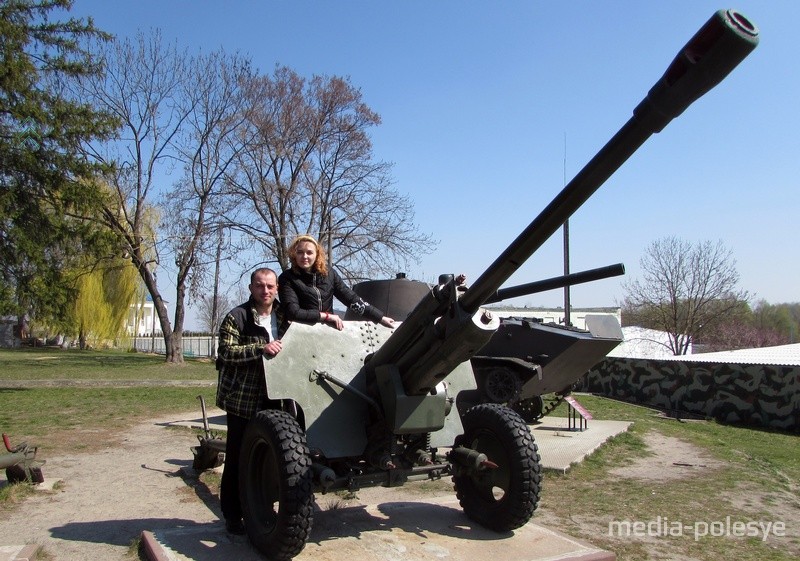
(304, 295)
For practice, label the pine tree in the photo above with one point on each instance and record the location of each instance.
(43, 176)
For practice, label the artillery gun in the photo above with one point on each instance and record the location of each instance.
(331, 389)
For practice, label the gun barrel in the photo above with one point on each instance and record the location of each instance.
(714, 51)
(557, 282)
(443, 331)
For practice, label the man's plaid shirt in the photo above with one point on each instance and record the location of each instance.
(241, 388)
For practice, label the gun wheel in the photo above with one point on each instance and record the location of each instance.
(276, 485)
(502, 498)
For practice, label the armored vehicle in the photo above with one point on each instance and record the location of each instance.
(370, 406)
(526, 359)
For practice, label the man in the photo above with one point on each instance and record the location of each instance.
(250, 332)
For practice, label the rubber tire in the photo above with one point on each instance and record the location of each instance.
(501, 434)
(275, 488)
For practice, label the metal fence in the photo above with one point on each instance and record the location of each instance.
(192, 346)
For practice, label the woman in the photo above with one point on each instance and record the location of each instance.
(308, 287)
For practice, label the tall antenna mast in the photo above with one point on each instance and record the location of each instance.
(567, 319)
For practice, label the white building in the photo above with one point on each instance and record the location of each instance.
(141, 319)
(641, 342)
(577, 316)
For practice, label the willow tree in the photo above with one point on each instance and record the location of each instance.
(104, 297)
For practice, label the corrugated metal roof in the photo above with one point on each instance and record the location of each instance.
(782, 355)
(650, 344)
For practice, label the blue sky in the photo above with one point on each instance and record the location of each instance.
(487, 107)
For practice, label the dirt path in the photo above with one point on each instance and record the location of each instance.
(104, 500)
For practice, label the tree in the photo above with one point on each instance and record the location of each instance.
(42, 172)
(213, 308)
(179, 112)
(141, 88)
(105, 294)
(212, 311)
(207, 146)
(294, 161)
(765, 325)
(783, 319)
(686, 290)
(741, 334)
(307, 167)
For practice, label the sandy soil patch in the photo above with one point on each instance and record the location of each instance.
(670, 458)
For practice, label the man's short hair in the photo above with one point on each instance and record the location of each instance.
(262, 270)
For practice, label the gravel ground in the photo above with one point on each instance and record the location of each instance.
(101, 502)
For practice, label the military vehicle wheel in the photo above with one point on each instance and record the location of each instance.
(505, 497)
(501, 385)
(276, 485)
(531, 409)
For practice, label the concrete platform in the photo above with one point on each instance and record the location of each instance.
(407, 530)
(560, 447)
(19, 552)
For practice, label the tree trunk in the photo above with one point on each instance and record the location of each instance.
(175, 348)
(177, 333)
(163, 315)
(172, 354)
(215, 297)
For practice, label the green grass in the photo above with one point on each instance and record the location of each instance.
(74, 364)
(66, 420)
(61, 418)
(758, 481)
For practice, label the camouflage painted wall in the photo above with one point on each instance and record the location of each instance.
(761, 395)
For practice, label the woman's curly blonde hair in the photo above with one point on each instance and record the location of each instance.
(320, 265)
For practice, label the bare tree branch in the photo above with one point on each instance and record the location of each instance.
(308, 168)
(685, 289)
(140, 87)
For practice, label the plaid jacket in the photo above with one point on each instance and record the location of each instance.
(241, 388)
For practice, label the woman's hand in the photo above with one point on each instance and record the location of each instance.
(386, 321)
(333, 319)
